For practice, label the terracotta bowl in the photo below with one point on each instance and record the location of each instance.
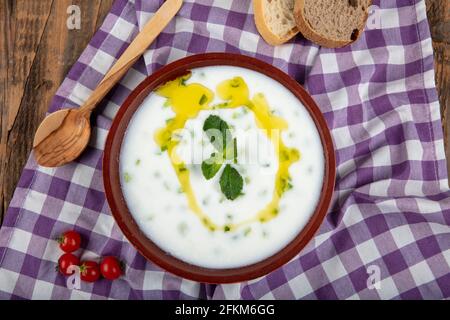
(123, 216)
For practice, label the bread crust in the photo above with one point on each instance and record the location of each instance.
(309, 33)
(264, 29)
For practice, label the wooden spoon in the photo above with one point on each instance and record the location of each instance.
(63, 135)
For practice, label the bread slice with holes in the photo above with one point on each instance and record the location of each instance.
(331, 23)
(275, 20)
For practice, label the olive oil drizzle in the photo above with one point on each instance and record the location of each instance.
(187, 100)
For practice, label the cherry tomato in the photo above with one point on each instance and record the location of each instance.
(65, 261)
(111, 268)
(70, 241)
(89, 271)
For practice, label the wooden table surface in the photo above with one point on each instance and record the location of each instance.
(37, 50)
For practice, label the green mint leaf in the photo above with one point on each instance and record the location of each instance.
(231, 183)
(213, 126)
(210, 168)
(203, 100)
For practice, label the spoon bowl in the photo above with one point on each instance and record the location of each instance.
(61, 138)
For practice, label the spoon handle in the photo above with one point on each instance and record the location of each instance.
(134, 51)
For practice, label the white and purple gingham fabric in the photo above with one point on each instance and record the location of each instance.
(390, 212)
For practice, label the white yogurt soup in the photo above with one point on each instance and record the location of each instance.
(222, 205)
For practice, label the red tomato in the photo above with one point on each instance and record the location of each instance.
(111, 268)
(65, 261)
(89, 271)
(70, 241)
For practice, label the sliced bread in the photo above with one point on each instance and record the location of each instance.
(275, 20)
(331, 23)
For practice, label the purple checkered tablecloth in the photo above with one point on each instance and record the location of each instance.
(390, 215)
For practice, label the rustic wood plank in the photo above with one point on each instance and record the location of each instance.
(438, 12)
(20, 51)
(55, 50)
(5, 31)
(28, 15)
(442, 67)
(105, 6)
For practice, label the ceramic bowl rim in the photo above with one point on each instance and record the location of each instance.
(124, 218)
